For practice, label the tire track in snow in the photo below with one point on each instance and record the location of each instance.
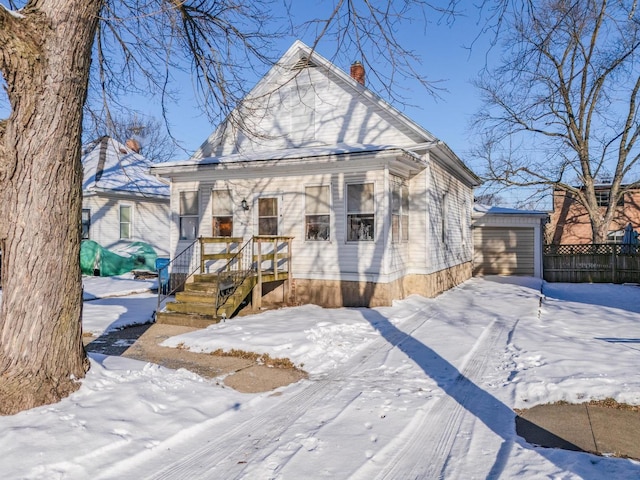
(228, 455)
(423, 450)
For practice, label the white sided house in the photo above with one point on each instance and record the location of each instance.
(375, 207)
(122, 202)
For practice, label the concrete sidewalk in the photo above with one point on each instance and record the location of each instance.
(589, 428)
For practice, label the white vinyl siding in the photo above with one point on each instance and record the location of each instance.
(334, 115)
(449, 204)
(150, 225)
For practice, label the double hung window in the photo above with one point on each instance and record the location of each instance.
(360, 212)
(125, 222)
(317, 213)
(188, 215)
(222, 218)
(399, 211)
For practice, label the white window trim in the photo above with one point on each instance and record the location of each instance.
(213, 213)
(196, 216)
(347, 213)
(130, 207)
(278, 197)
(329, 213)
(400, 183)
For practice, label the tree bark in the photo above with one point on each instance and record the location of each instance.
(45, 55)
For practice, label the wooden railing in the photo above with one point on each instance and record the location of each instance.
(227, 248)
(278, 258)
(239, 267)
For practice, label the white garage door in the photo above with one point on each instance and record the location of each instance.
(503, 251)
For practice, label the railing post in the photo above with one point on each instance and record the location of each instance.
(275, 258)
(201, 254)
(288, 280)
(257, 291)
(614, 261)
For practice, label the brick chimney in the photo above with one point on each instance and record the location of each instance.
(133, 145)
(357, 72)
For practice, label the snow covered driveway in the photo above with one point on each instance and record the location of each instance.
(423, 389)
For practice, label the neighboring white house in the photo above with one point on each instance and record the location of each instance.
(378, 207)
(121, 201)
(508, 241)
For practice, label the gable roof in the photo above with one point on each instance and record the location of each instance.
(369, 121)
(111, 167)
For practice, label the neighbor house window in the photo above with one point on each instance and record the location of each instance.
(399, 211)
(222, 208)
(86, 223)
(360, 212)
(268, 216)
(125, 221)
(188, 215)
(317, 213)
(603, 198)
(615, 236)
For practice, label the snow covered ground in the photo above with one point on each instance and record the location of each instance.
(423, 389)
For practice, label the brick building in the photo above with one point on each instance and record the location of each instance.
(570, 222)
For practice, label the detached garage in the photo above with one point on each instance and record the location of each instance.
(507, 241)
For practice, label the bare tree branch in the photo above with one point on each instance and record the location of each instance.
(566, 90)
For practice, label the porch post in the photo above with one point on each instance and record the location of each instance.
(256, 298)
(287, 282)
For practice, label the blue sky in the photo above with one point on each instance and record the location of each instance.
(445, 58)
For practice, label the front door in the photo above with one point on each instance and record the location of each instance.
(268, 216)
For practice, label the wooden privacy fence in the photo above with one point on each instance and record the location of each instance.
(597, 263)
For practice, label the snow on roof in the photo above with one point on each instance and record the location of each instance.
(492, 210)
(109, 166)
(289, 153)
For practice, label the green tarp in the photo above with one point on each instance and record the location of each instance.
(97, 260)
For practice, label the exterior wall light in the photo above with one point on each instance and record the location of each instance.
(244, 204)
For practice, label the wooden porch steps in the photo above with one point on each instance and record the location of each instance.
(196, 305)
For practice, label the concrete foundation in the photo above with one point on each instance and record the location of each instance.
(335, 293)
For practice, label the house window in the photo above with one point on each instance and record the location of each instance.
(125, 222)
(188, 215)
(360, 212)
(615, 236)
(222, 208)
(86, 223)
(399, 211)
(603, 198)
(268, 216)
(317, 213)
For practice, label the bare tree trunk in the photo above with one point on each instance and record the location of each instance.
(45, 58)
